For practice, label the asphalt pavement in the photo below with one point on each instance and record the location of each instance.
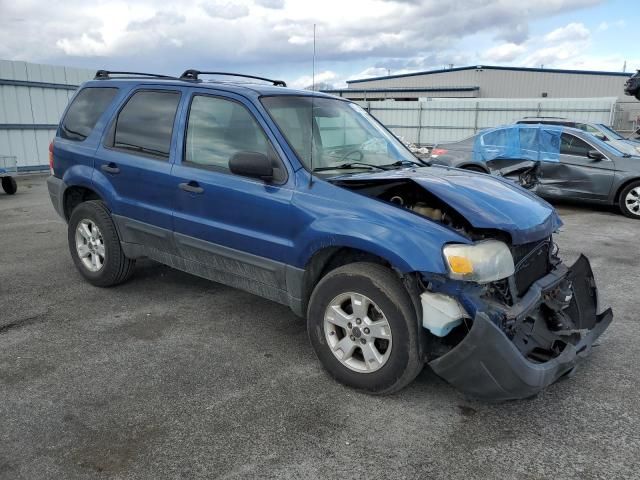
(172, 376)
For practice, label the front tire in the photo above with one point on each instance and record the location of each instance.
(95, 246)
(363, 328)
(629, 201)
(9, 185)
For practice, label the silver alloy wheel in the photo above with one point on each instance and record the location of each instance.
(357, 332)
(90, 245)
(632, 201)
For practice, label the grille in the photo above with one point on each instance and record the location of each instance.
(532, 262)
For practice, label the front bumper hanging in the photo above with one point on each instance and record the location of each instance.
(487, 364)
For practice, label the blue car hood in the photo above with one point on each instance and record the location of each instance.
(486, 201)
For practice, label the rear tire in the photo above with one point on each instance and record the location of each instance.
(629, 201)
(381, 359)
(95, 246)
(9, 185)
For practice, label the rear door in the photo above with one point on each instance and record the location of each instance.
(576, 175)
(134, 162)
(228, 225)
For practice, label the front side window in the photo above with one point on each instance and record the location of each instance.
(145, 124)
(327, 133)
(84, 112)
(217, 129)
(572, 145)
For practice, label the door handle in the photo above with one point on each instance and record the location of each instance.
(191, 187)
(110, 168)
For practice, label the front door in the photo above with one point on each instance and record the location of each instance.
(229, 226)
(576, 175)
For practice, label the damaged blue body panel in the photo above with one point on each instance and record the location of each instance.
(486, 202)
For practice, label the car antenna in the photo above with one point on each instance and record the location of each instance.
(313, 89)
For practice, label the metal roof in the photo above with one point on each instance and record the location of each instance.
(493, 67)
(403, 89)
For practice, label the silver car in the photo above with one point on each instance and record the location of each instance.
(553, 161)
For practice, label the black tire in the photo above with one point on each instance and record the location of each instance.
(116, 267)
(473, 168)
(9, 185)
(626, 209)
(384, 288)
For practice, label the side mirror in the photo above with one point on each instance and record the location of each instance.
(600, 136)
(252, 164)
(596, 155)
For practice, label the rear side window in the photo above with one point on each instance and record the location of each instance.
(84, 112)
(145, 124)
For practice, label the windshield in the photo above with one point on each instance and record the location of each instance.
(612, 133)
(607, 147)
(344, 135)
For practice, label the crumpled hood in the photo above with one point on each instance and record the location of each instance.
(486, 201)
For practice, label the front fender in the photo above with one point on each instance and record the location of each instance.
(407, 249)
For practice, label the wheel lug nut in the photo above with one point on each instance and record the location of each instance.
(363, 341)
(358, 321)
(366, 330)
(349, 325)
(353, 339)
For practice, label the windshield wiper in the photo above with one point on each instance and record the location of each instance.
(349, 165)
(403, 163)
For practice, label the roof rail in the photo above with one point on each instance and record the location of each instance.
(550, 118)
(107, 74)
(193, 75)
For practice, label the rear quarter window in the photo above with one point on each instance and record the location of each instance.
(84, 112)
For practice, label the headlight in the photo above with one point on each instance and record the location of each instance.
(481, 262)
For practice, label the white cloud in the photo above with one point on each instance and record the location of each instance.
(306, 81)
(226, 10)
(507, 52)
(270, 3)
(571, 33)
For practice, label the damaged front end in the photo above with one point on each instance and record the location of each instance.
(514, 341)
(509, 318)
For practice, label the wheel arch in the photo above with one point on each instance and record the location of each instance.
(473, 166)
(74, 195)
(327, 259)
(622, 186)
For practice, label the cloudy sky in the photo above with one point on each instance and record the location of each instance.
(355, 38)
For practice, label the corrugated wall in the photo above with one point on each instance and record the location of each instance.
(496, 83)
(426, 123)
(32, 99)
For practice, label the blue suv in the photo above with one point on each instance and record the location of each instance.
(307, 200)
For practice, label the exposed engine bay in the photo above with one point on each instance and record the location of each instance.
(408, 195)
(543, 315)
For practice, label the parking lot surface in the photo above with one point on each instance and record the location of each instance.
(172, 376)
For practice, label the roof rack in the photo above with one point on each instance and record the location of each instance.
(550, 118)
(107, 74)
(193, 75)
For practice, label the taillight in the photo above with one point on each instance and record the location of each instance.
(438, 151)
(51, 156)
